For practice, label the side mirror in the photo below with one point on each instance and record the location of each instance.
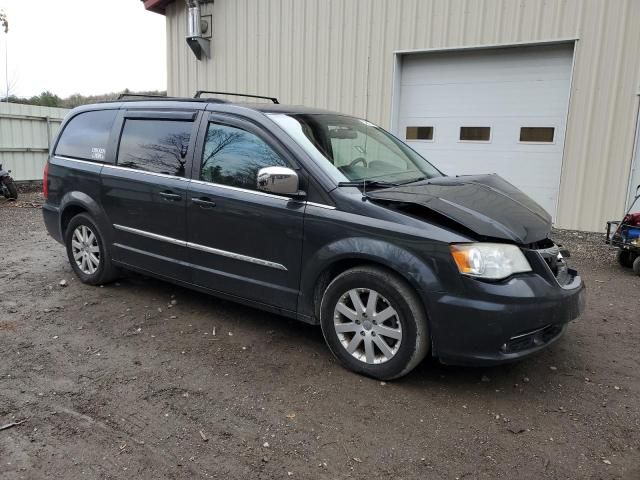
(278, 180)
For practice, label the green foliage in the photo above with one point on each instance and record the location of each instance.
(45, 99)
(48, 99)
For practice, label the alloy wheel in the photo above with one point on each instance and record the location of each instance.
(85, 249)
(367, 326)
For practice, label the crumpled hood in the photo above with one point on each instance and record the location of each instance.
(485, 204)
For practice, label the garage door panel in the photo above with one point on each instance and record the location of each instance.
(467, 99)
(505, 134)
(517, 64)
(504, 89)
(536, 167)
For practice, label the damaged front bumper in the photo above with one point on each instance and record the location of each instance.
(492, 323)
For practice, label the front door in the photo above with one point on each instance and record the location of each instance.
(145, 193)
(242, 242)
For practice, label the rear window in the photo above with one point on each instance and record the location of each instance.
(158, 146)
(86, 135)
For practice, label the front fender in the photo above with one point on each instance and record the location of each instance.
(420, 273)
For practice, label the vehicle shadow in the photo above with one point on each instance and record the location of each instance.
(285, 332)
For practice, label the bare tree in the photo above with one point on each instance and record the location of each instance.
(4, 24)
(243, 154)
(218, 140)
(167, 154)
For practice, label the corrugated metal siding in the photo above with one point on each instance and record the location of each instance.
(338, 54)
(25, 138)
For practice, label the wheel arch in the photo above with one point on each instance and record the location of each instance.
(74, 203)
(340, 256)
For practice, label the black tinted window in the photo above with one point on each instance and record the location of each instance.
(86, 135)
(158, 146)
(233, 156)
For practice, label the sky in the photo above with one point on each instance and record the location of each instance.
(82, 46)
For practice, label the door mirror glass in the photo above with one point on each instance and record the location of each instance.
(278, 180)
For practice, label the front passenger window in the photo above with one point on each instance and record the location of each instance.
(233, 156)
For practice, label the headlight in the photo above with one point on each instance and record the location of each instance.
(492, 261)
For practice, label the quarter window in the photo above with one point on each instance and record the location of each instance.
(158, 146)
(86, 135)
(233, 156)
(475, 134)
(419, 133)
(537, 134)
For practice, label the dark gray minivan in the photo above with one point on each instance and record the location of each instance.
(314, 215)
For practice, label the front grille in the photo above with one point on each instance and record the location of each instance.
(554, 259)
(535, 338)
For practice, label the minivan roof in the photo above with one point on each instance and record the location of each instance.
(210, 104)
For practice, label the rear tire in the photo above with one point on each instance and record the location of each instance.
(12, 191)
(636, 266)
(374, 323)
(87, 251)
(625, 258)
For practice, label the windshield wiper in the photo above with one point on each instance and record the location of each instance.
(368, 183)
(413, 180)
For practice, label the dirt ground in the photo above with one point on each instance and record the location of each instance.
(116, 382)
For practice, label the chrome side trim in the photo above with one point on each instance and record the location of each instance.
(154, 174)
(203, 248)
(262, 194)
(321, 205)
(245, 190)
(237, 256)
(77, 160)
(154, 236)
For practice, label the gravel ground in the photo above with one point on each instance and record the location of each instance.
(129, 381)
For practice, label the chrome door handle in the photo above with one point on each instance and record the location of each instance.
(203, 202)
(170, 196)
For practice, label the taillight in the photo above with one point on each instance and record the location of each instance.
(45, 181)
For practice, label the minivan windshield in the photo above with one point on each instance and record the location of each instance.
(354, 151)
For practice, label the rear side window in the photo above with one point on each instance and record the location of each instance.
(158, 146)
(86, 135)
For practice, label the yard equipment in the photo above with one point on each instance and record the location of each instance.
(625, 235)
(7, 185)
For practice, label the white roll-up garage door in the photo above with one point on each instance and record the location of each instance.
(490, 111)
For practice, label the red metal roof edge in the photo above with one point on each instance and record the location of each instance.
(157, 6)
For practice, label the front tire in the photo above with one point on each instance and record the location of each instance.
(625, 258)
(87, 251)
(636, 266)
(374, 323)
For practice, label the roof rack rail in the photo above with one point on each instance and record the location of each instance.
(200, 92)
(140, 95)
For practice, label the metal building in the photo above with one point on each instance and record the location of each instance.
(26, 134)
(543, 92)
